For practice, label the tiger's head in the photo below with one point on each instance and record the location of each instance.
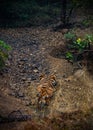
(49, 79)
(52, 80)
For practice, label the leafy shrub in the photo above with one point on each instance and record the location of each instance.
(77, 45)
(4, 49)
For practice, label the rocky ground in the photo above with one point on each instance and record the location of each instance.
(33, 54)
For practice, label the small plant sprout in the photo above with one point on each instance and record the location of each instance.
(69, 56)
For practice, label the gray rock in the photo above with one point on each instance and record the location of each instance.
(20, 94)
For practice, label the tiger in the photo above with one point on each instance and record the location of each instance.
(46, 89)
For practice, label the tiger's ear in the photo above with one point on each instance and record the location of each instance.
(42, 76)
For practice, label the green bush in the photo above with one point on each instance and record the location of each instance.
(77, 45)
(4, 49)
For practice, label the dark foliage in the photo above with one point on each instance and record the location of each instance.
(29, 12)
